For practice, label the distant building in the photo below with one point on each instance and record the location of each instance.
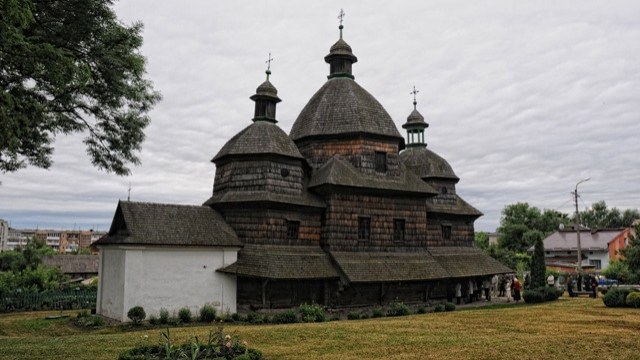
(76, 266)
(493, 238)
(63, 241)
(620, 242)
(561, 248)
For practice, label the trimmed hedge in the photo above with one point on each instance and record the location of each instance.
(541, 294)
(633, 300)
(616, 297)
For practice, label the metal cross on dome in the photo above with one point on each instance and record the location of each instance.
(414, 92)
(268, 62)
(341, 16)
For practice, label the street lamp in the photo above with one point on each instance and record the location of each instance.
(575, 194)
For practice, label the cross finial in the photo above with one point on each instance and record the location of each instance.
(341, 17)
(129, 192)
(268, 62)
(414, 92)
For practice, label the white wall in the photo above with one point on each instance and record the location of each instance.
(173, 278)
(111, 272)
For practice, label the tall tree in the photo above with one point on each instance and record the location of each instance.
(599, 216)
(482, 240)
(70, 66)
(631, 253)
(538, 265)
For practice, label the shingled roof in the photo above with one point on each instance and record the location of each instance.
(458, 206)
(590, 240)
(461, 262)
(388, 266)
(170, 225)
(73, 264)
(306, 199)
(427, 164)
(339, 171)
(261, 137)
(282, 262)
(341, 106)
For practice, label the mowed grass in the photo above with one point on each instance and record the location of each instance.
(564, 329)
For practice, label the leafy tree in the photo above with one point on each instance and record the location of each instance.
(68, 67)
(482, 240)
(599, 216)
(631, 253)
(618, 270)
(511, 237)
(538, 265)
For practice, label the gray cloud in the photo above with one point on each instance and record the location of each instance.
(523, 99)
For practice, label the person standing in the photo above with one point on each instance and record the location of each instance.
(502, 285)
(470, 287)
(527, 281)
(507, 289)
(516, 289)
(494, 285)
(594, 287)
(486, 285)
(458, 293)
(551, 280)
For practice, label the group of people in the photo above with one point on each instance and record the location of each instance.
(502, 286)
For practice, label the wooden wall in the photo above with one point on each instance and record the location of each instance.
(269, 226)
(260, 175)
(462, 231)
(340, 224)
(360, 152)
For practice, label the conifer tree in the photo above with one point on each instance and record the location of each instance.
(538, 265)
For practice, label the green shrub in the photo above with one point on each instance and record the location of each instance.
(184, 315)
(377, 313)
(533, 296)
(421, 310)
(255, 318)
(633, 300)
(438, 308)
(616, 297)
(136, 314)
(335, 317)
(164, 316)
(398, 308)
(353, 315)
(551, 293)
(236, 317)
(153, 320)
(449, 306)
(285, 317)
(312, 313)
(86, 320)
(207, 313)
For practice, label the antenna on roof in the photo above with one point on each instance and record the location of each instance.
(129, 192)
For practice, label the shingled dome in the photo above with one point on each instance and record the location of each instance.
(261, 137)
(341, 106)
(427, 164)
(415, 118)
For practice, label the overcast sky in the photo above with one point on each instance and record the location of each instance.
(523, 98)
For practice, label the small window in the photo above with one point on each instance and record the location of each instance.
(398, 230)
(446, 232)
(293, 228)
(284, 172)
(381, 162)
(364, 228)
(444, 190)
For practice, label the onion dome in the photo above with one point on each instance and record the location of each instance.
(263, 136)
(266, 98)
(341, 106)
(427, 164)
(415, 125)
(340, 58)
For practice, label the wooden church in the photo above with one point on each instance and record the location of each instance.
(340, 212)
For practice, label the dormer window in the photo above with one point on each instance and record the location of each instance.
(293, 228)
(381, 162)
(398, 230)
(364, 228)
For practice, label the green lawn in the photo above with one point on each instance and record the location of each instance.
(567, 328)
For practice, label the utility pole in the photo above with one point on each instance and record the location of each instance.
(579, 268)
